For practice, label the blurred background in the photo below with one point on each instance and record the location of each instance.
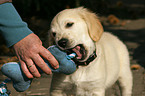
(124, 18)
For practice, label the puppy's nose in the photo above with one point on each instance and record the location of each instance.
(62, 42)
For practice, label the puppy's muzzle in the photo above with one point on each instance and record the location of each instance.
(63, 42)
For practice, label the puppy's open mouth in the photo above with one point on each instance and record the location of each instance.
(79, 50)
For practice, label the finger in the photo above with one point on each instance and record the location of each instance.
(41, 64)
(25, 69)
(32, 68)
(48, 56)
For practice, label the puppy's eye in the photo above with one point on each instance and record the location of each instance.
(54, 34)
(70, 24)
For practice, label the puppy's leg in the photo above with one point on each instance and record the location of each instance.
(125, 80)
(57, 93)
(90, 88)
(100, 92)
(93, 92)
(57, 85)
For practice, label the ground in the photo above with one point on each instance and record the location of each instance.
(131, 32)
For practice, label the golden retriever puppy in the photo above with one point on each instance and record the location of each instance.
(79, 30)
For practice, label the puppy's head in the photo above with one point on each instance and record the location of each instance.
(77, 30)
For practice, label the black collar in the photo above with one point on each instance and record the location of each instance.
(90, 59)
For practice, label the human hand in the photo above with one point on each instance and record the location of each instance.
(29, 51)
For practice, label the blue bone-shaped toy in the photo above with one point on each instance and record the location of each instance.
(22, 83)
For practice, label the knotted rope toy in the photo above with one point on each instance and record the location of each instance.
(21, 83)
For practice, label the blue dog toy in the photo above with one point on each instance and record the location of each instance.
(22, 83)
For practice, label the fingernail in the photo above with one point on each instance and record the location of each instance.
(38, 76)
(49, 73)
(56, 67)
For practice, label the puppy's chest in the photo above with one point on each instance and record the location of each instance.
(83, 74)
(85, 77)
(79, 75)
(81, 79)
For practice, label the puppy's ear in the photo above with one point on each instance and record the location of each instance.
(95, 28)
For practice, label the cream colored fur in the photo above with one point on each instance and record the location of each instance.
(112, 62)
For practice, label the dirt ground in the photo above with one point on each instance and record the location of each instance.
(132, 33)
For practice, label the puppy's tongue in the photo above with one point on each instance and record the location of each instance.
(77, 50)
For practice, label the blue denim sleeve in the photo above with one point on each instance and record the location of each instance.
(12, 27)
